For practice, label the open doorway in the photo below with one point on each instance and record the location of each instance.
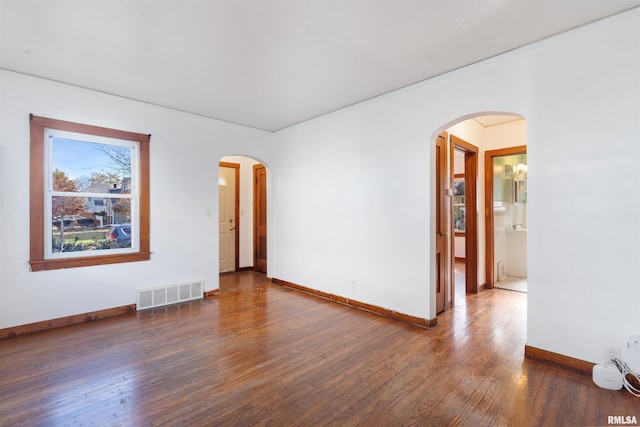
(506, 219)
(459, 216)
(240, 212)
(260, 218)
(469, 138)
(228, 208)
(464, 217)
(456, 219)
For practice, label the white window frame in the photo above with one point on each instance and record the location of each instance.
(133, 196)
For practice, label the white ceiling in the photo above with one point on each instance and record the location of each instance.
(270, 64)
(492, 120)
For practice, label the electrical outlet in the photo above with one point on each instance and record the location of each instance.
(612, 353)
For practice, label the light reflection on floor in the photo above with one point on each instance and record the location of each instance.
(459, 282)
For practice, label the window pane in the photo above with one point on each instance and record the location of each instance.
(78, 224)
(458, 205)
(458, 218)
(90, 166)
(105, 211)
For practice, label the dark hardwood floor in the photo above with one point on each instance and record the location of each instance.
(261, 354)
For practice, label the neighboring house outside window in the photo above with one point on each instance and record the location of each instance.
(95, 205)
(89, 195)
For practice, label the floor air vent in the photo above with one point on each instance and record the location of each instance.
(170, 294)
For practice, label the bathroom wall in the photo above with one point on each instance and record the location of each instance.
(510, 217)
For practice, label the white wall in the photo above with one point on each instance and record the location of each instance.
(184, 150)
(348, 220)
(354, 188)
(583, 243)
(246, 207)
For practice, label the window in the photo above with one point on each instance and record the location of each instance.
(89, 195)
(458, 204)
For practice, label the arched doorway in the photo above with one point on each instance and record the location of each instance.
(242, 219)
(467, 138)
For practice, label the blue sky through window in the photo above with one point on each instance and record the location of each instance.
(82, 158)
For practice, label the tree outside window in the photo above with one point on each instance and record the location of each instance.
(458, 204)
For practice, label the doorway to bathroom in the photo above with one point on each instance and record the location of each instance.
(506, 220)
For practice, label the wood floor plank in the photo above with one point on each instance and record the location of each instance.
(261, 354)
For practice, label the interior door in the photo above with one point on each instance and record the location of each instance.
(260, 218)
(442, 235)
(227, 218)
(471, 209)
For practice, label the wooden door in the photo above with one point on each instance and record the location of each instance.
(442, 235)
(227, 218)
(260, 218)
(471, 211)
